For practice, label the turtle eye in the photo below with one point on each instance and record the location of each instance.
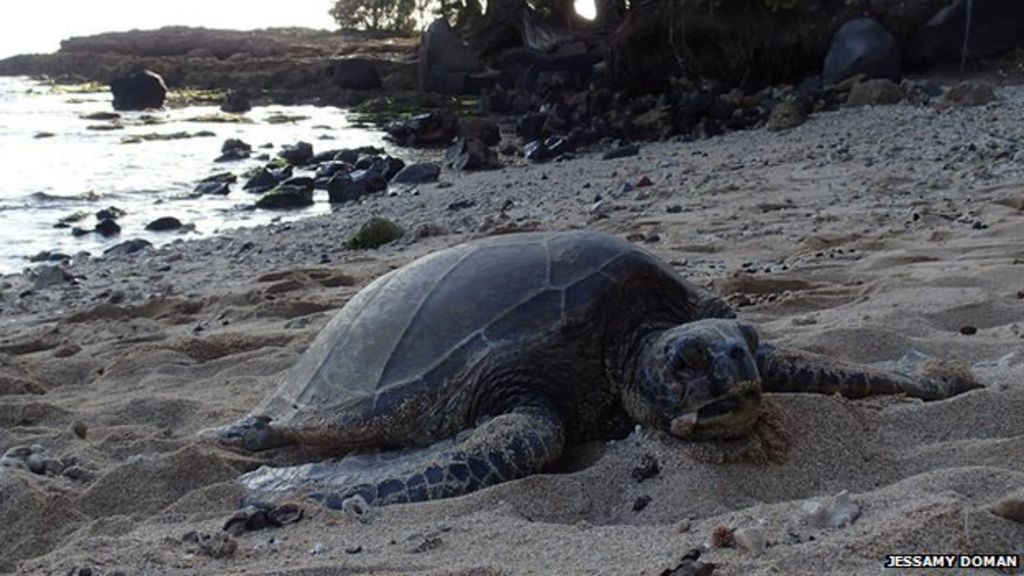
(687, 355)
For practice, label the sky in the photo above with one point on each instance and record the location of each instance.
(39, 25)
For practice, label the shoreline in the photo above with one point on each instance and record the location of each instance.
(861, 234)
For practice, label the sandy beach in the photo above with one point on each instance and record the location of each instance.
(861, 234)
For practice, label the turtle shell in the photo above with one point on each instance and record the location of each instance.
(413, 328)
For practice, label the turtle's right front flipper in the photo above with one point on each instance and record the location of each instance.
(916, 375)
(504, 448)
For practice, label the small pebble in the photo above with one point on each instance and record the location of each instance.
(317, 549)
(683, 525)
(723, 537)
(641, 502)
(79, 429)
(647, 468)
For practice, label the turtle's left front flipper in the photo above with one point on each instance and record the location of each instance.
(509, 446)
(915, 375)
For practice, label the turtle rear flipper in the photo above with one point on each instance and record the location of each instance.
(916, 375)
(504, 448)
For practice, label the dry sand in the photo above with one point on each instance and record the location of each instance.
(861, 234)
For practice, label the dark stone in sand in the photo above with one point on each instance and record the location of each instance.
(419, 173)
(375, 233)
(345, 187)
(286, 197)
(431, 129)
(387, 167)
(327, 169)
(349, 155)
(553, 147)
(471, 155)
(647, 468)
(164, 224)
(862, 46)
(128, 247)
(297, 154)
(107, 228)
(355, 74)
(267, 178)
(139, 91)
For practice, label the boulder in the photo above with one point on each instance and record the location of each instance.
(445, 62)
(142, 90)
(297, 154)
(107, 228)
(164, 224)
(375, 233)
(286, 197)
(345, 187)
(970, 93)
(355, 74)
(876, 92)
(216, 184)
(387, 166)
(468, 154)
(266, 178)
(862, 46)
(128, 247)
(419, 173)
(430, 129)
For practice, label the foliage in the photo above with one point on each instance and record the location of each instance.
(376, 15)
(403, 16)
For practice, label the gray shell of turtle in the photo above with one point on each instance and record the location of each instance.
(418, 325)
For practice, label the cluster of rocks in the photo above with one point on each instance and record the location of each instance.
(470, 140)
(290, 179)
(107, 226)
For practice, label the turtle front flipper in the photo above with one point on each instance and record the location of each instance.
(916, 375)
(504, 448)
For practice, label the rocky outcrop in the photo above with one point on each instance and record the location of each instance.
(142, 90)
(445, 62)
(356, 74)
(862, 46)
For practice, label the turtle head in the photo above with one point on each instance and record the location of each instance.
(698, 380)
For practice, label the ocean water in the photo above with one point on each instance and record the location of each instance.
(81, 170)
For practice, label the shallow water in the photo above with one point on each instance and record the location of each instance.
(84, 170)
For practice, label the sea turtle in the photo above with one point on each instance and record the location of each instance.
(478, 364)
